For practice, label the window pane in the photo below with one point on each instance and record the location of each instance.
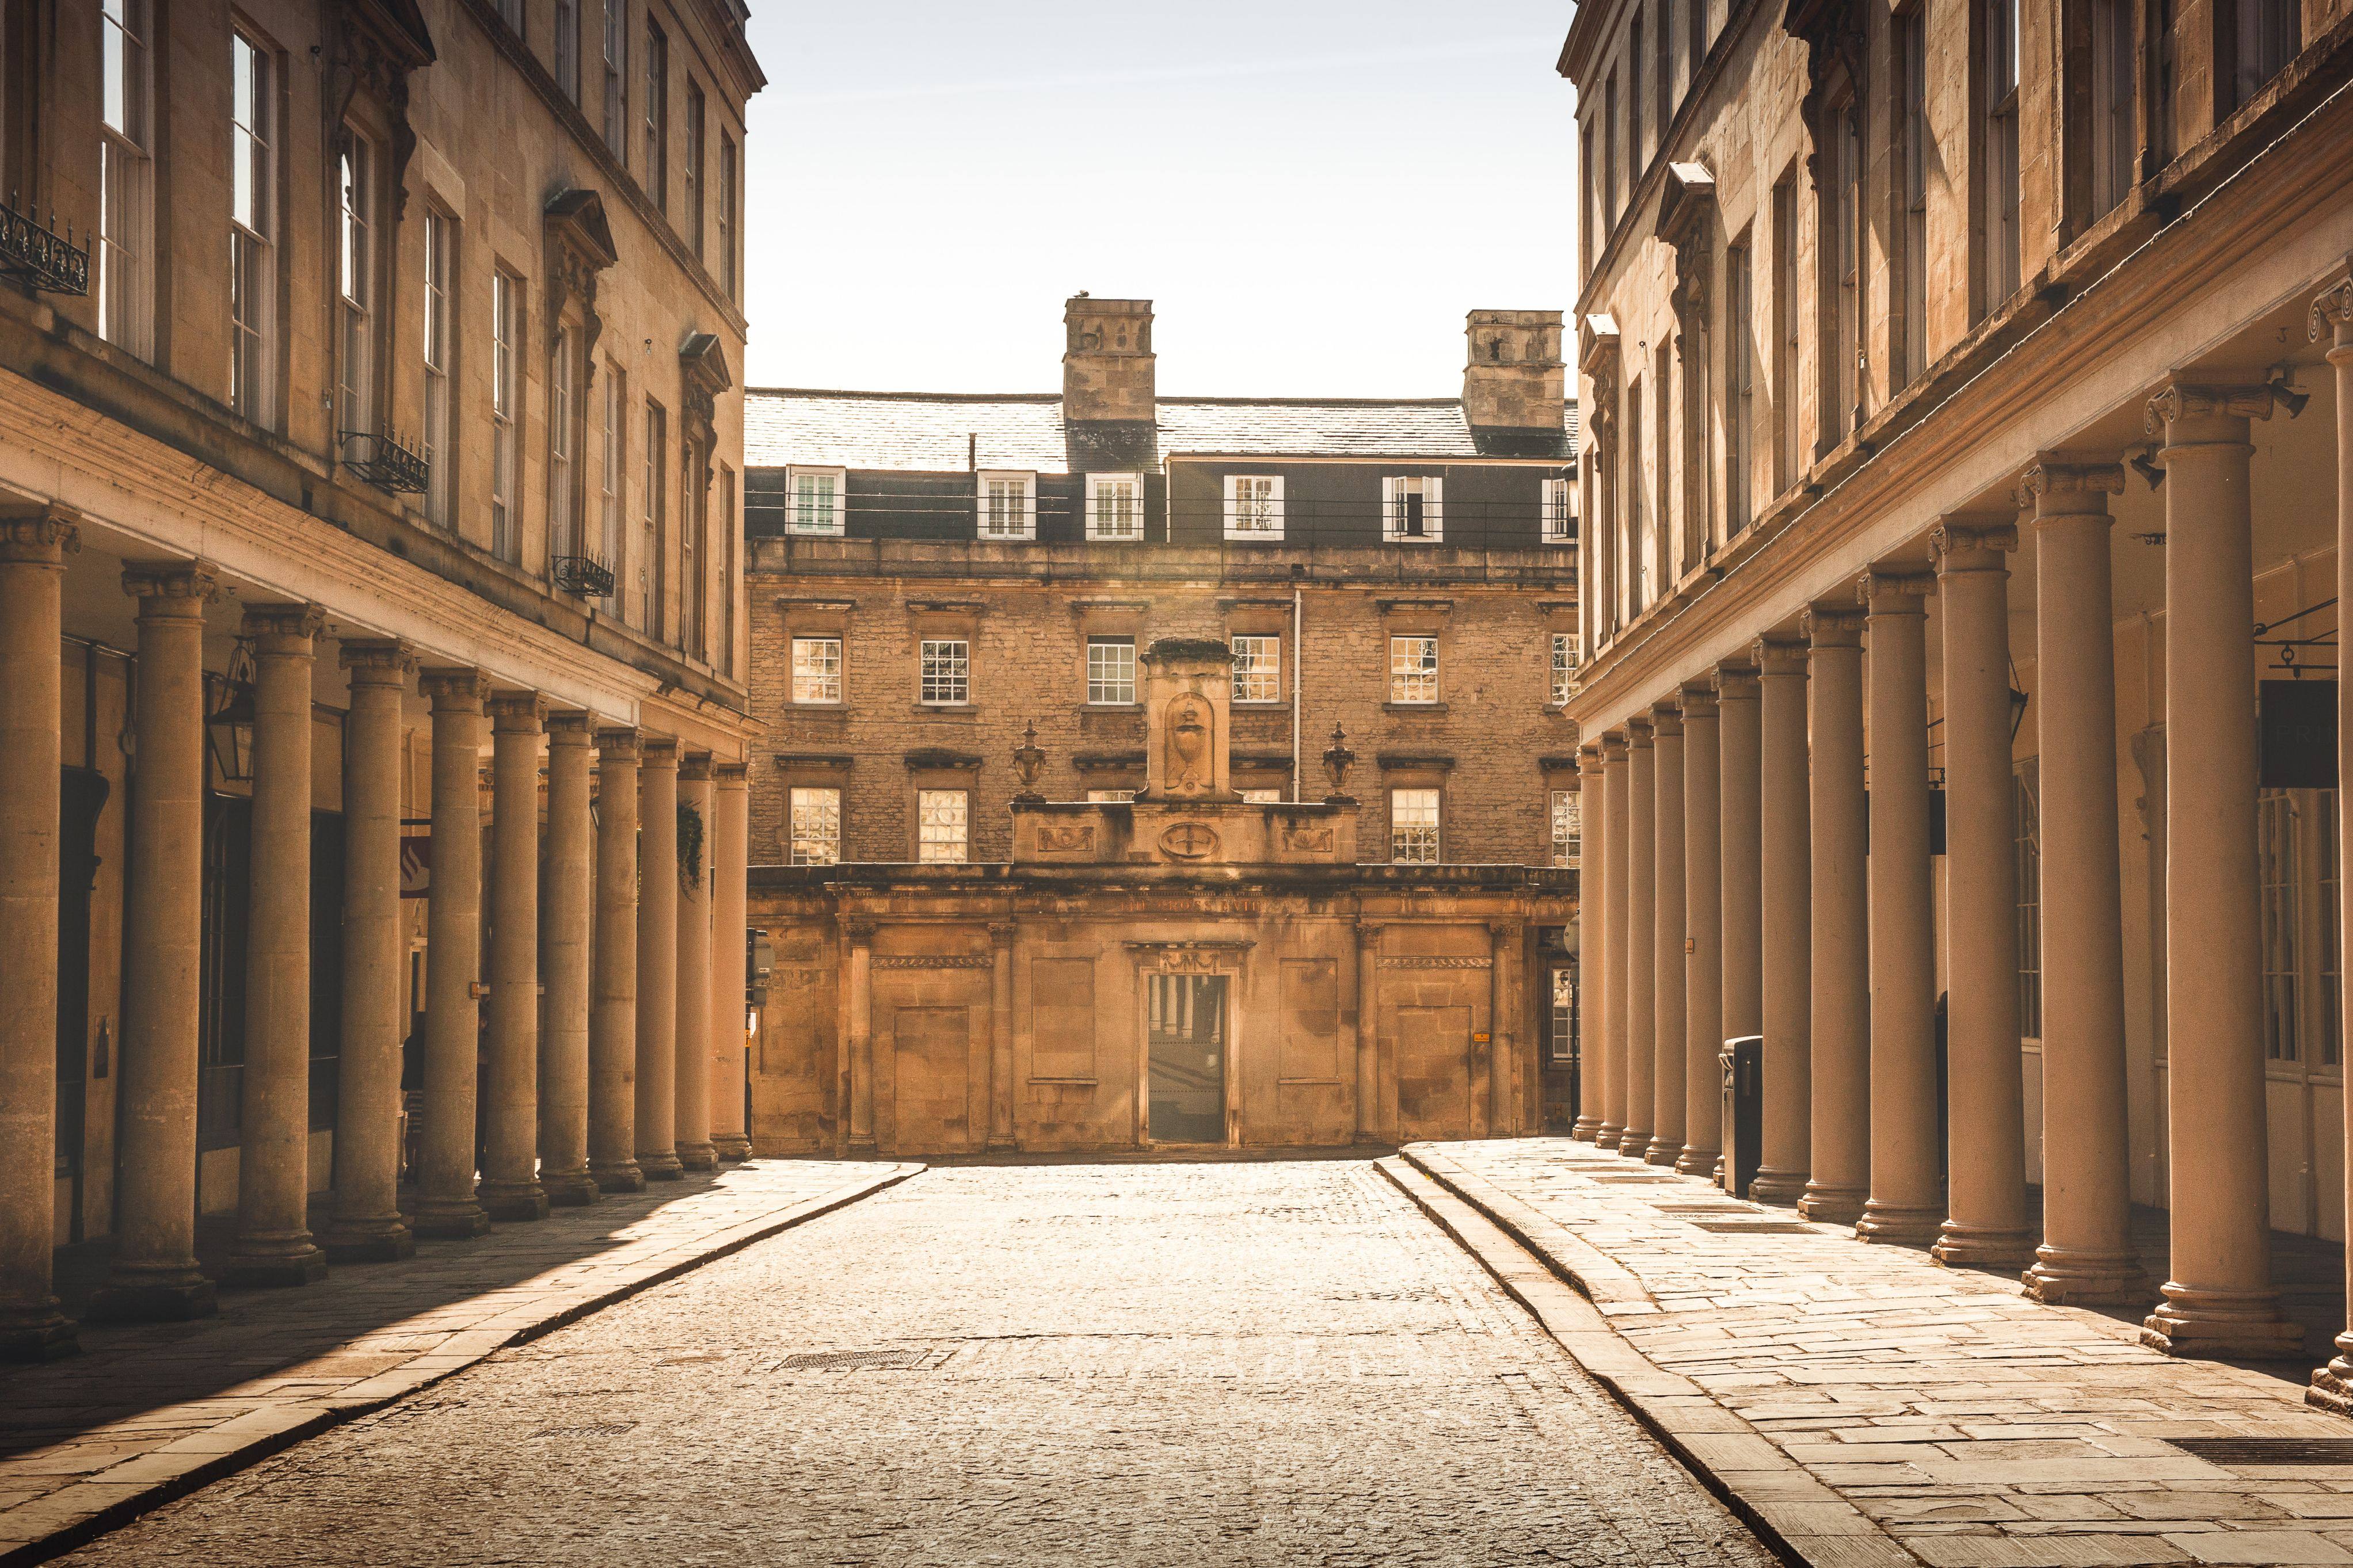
(1258, 670)
(947, 670)
(1413, 669)
(941, 829)
(1413, 825)
(816, 826)
(1111, 670)
(817, 670)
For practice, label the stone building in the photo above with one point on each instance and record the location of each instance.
(941, 582)
(1970, 385)
(369, 494)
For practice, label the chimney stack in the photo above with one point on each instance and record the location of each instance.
(1515, 379)
(1107, 362)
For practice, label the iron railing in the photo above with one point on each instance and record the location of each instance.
(385, 461)
(583, 576)
(34, 254)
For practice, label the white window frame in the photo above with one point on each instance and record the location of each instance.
(506, 413)
(992, 521)
(1120, 529)
(1396, 508)
(1564, 667)
(1263, 796)
(1250, 675)
(1254, 506)
(947, 684)
(613, 498)
(355, 272)
(1559, 512)
(562, 447)
(124, 258)
(800, 520)
(943, 827)
(1567, 827)
(1410, 672)
(813, 817)
(1120, 672)
(437, 273)
(617, 79)
(1416, 842)
(817, 673)
(567, 49)
(253, 255)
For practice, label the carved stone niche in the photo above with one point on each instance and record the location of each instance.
(580, 245)
(1188, 712)
(702, 370)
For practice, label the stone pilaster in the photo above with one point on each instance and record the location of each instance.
(693, 1087)
(1002, 934)
(858, 936)
(613, 1006)
(1785, 881)
(1502, 1057)
(656, 1124)
(446, 1205)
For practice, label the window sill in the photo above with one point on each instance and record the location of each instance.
(943, 709)
(1253, 538)
(1413, 707)
(1275, 709)
(842, 708)
(1111, 707)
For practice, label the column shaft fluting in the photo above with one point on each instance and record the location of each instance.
(692, 1090)
(613, 1010)
(2332, 1386)
(1989, 1225)
(1610, 1058)
(1703, 924)
(657, 880)
(2219, 1299)
(1642, 936)
(368, 1227)
(33, 542)
(446, 1205)
(2086, 1257)
(511, 1189)
(1908, 1176)
(731, 833)
(564, 927)
(1671, 1019)
(273, 1174)
(1786, 883)
(1592, 973)
(154, 1273)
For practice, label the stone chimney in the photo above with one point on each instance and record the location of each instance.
(1515, 379)
(1107, 362)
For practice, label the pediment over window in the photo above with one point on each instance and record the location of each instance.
(1836, 47)
(580, 245)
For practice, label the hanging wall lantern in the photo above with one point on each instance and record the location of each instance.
(228, 728)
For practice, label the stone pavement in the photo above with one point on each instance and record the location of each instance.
(149, 1413)
(1945, 1411)
(1276, 1362)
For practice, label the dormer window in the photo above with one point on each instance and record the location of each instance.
(817, 502)
(1412, 508)
(1115, 506)
(1253, 506)
(1560, 513)
(1008, 505)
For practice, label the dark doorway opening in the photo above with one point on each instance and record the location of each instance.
(1187, 1029)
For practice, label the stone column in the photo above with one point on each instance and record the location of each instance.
(2086, 1257)
(1987, 1225)
(693, 1089)
(1502, 1057)
(1001, 1041)
(155, 1274)
(1740, 748)
(273, 1174)
(731, 833)
(368, 1227)
(613, 1011)
(33, 544)
(1704, 921)
(2332, 1386)
(511, 1189)
(1907, 1178)
(2219, 1300)
(1668, 945)
(1840, 1034)
(446, 1205)
(1785, 884)
(1592, 970)
(1641, 1082)
(564, 978)
(657, 880)
(1610, 1057)
(859, 1032)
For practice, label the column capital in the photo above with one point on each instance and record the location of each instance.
(38, 533)
(516, 712)
(1001, 932)
(274, 627)
(2053, 486)
(1504, 931)
(1368, 936)
(175, 588)
(1735, 681)
(2199, 413)
(860, 932)
(658, 750)
(571, 726)
(731, 775)
(1667, 721)
(1588, 760)
(1699, 702)
(1638, 733)
(1887, 591)
(1830, 627)
(377, 661)
(694, 767)
(618, 743)
(455, 687)
(1613, 746)
(2333, 307)
(1778, 655)
(1968, 542)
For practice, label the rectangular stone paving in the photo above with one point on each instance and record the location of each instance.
(149, 1412)
(1978, 1428)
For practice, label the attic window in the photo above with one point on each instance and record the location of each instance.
(1412, 507)
(1115, 506)
(1008, 505)
(817, 502)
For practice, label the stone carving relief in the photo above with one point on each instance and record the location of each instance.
(937, 961)
(1190, 840)
(1066, 839)
(1191, 764)
(1307, 840)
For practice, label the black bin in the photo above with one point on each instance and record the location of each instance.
(1742, 1061)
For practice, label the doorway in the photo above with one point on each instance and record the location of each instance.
(1185, 1025)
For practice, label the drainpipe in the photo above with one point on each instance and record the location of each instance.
(1298, 658)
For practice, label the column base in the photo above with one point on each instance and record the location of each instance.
(1607, 1134)
(1586, 1130)
(733, 1147)
(661, 1167)
(1696, 1161)
(153, 1295)
(36, 1332)
(521, 1202)
(1662, 1152)
(2332, 1385)
(2063, 1277)
(1772, 1187)
(271, 1263)
(2219, 1325)
(698, 1156)
(570, 1190)
(450, 1219)
(1970, 1246)
(619, 1176)
(862, 1148)
(372, 1241)
(1634, 1142)
(1007, 1145)
(1830, 1205)
(1889, 1224)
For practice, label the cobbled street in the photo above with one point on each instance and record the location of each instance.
(1133, 1364)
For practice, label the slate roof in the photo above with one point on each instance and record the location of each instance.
(948, 432)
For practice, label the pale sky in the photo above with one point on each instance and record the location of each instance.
(1313, 192)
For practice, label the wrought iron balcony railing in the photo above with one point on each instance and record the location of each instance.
(36, 254)
(583, 576)
(385, 461)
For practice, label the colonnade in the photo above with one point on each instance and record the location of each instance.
(605, 1018)
(1739, 864)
